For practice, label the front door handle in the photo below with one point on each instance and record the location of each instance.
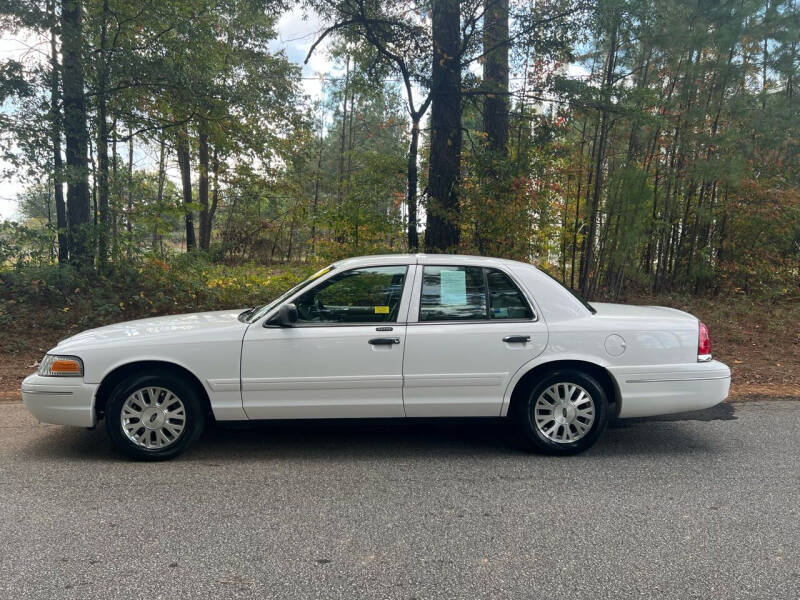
(384, 341)
(517, 339)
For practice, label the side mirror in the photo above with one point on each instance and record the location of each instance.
(287, 315)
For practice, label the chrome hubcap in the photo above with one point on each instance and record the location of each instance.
(153, 417)
(564, 412)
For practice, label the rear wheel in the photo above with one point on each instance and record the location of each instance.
(564, 413)
(154, 416)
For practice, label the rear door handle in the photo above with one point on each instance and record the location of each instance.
(517, 339)
(384, 341)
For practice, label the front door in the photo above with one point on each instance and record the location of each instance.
(344, 357)
(475, 328)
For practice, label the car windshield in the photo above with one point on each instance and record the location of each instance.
(577, 296)
(254, 314)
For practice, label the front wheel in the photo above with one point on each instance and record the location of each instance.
(154, 416)
(564, 413)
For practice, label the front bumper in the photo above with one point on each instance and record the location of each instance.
(649, 391)
(60, 400)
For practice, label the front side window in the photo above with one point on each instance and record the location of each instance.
(367, 295)
(470, 294)
(254, 314)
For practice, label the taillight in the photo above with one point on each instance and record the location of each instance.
(703, 344)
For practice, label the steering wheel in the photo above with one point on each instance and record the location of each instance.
(312, 311)
(303, 312)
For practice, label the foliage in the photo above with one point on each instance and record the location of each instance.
(149, 286)
(683, 168)
(639, 145)
(22, 246)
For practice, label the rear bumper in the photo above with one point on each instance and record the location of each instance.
(60, 400)
(648, 391)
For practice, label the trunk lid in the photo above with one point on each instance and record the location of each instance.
(625, 311)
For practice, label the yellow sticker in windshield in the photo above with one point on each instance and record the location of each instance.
(381, 310)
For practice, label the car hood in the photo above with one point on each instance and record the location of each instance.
(624, 311)
(192, 327)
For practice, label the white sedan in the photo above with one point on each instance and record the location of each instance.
(386, 336)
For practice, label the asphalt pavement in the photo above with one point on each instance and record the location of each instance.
(699, 505)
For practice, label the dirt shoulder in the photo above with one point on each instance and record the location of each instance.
(21, 349)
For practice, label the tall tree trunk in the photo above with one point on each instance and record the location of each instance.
(102, 142)
(790, 76)
(182, 150)
(55, 140)
(292, 223)
(93, 173)
(579, 181)
(350, 140)
(214, 195)
(442, 231)
(495, 75)
(75, 133)
(315, 204)
(599, 158)
(411, 185)
(162, 178)
(343, 140)
(115, 186)
(495, 201)
(350, 165)
(46, 206)
(202, 186)
(129, 208)
(765, 58)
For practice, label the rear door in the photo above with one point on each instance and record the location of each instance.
(470, 329)
(343, 358)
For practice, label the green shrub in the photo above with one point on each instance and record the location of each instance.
(21, 245)
(63, 296)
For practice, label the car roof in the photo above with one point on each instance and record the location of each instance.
(422, 259)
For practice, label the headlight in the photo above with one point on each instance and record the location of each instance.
(57, 365)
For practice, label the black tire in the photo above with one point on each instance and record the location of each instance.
(536, 440)
(193, 407)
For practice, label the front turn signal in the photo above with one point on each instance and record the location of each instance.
(54, 365)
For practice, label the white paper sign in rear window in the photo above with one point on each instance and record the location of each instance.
(453, 288)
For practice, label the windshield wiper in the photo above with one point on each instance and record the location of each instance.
(245, 314)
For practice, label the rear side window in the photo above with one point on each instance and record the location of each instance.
(470, 294)
(452, 294)
(505, 299)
